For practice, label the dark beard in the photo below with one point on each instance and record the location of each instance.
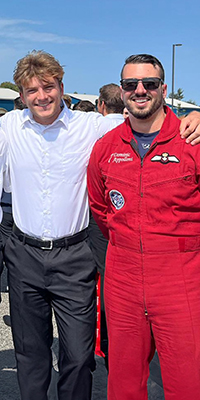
(143, 114)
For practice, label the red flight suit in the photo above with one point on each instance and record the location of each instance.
(150, 210)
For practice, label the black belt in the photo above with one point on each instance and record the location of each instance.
(49, 244)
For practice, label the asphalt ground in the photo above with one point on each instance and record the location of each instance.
(8, 378)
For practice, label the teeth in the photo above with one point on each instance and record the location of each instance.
(141, 101)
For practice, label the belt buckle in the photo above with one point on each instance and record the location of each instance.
(50, 247)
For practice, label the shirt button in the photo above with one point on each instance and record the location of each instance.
(45, 152)
(45, 172)
(46, 231)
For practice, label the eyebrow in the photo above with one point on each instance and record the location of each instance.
(44, 85)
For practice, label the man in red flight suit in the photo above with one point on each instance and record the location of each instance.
(144, 189)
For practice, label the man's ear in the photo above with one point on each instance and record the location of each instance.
(164, 90)
(104, 109)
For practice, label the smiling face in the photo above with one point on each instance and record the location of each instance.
(142, 103)
(43, 98)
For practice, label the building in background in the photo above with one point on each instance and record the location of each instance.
(181, 107)
(7, 97)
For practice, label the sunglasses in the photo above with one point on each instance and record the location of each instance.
(148, 83)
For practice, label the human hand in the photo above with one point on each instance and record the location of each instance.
(190, 128)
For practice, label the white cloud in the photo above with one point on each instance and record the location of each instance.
(14, 29)
(4, 23)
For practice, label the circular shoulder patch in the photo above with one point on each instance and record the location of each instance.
(116, 199)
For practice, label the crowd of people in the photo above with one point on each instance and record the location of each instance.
(142, 223)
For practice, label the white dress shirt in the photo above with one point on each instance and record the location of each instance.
(47, 169)
(115, 118)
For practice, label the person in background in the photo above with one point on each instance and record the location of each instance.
(144, 191)
(67, 99)
(84, 105)
(5, 231)
(125, 113)
(110, 104)
(3, 111)
(18, 104)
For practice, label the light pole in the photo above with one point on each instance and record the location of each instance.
(173, 62)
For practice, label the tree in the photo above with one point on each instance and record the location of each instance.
(179, 95)
(9, 85)
(192, 102)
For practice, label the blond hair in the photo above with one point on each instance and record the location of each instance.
(37, 63)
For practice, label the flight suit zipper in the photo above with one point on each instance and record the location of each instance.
(141, 244)
(135, 147)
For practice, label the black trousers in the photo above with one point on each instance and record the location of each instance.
(63, 280)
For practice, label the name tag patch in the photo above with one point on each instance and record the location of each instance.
(120, 157)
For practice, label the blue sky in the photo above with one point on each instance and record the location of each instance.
(91, 39)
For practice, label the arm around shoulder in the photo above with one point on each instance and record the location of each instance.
(190, 128)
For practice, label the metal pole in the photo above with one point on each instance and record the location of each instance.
(173, 63)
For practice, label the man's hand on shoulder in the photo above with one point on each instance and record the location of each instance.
(190, 128)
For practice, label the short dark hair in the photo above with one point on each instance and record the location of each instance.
(111, 95)
(144, 59)
(18, 104)
(84, 105)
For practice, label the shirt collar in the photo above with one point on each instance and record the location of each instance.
(63, 117)
(168, 129)
(115, 116)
